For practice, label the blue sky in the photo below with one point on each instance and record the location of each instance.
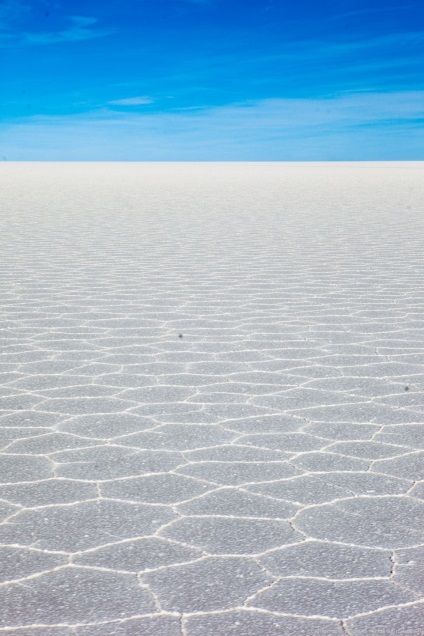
(207, 80)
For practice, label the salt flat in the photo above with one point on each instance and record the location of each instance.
(212, 399)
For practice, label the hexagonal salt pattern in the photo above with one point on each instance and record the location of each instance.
(211, 400)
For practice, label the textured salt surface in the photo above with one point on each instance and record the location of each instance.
(211, 394)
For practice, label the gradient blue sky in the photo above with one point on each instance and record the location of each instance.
(194, 80)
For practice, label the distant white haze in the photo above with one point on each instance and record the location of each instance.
(346, 127)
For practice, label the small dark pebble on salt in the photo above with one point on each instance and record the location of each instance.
(180, 335)
(407, 388)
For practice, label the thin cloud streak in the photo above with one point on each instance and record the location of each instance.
(307, 63)
(132, 101)
(80, 28)
(345, 127)
(10, 10)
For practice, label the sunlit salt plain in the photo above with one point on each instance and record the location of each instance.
(212, 399)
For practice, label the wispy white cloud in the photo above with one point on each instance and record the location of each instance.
(305, 65)
(132, 101)
(349, 13)
(205, 2)
(358, 126)
(80, 28)
(11, 10)
(316, 51)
